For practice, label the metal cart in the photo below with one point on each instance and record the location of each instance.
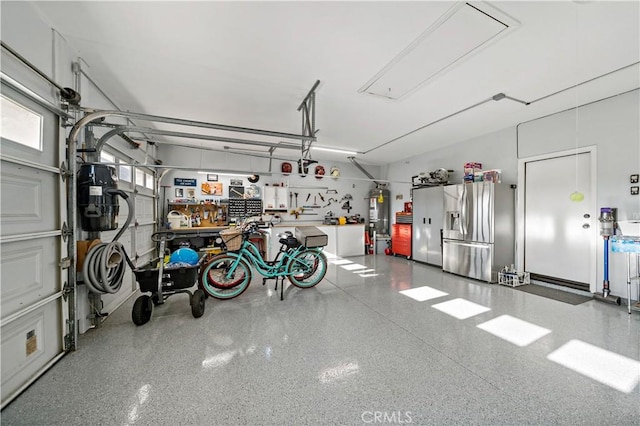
(163, 283)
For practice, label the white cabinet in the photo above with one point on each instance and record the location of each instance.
(350, 240)
(275, 198)
(330, 230)
(342, 240)
(428, 206)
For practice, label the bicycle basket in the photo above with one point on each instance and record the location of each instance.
(232, 238)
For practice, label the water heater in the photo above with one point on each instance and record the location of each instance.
(97, 197)
(379, 210)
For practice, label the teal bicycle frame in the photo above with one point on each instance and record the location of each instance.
(273, 269)
(305, 267)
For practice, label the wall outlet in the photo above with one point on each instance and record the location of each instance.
(635, 190)
(633, 178)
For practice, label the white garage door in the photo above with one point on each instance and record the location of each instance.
(33, 308)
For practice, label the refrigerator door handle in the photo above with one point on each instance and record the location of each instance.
(463, 212)
(466, 244)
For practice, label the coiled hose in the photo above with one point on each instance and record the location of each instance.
(104, 266)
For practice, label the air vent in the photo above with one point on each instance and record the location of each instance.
(462, 30)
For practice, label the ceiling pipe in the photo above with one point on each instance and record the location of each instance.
(96, 115)
(125, 129)
(496, 97)
(499, 97)
(366, 173)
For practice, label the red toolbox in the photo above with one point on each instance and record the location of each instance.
(401, 239)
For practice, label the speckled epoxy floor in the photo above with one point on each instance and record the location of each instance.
(352, 350)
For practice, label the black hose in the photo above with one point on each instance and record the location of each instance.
(104, 267)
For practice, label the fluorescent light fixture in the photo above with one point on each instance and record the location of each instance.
(341, 151)
(224, 174)
(463, 30)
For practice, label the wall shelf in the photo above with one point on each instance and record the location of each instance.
(309, 187)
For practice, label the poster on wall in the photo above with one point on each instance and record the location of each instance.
(191, 192)
(209, 188)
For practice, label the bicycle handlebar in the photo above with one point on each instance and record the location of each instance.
(252, 222)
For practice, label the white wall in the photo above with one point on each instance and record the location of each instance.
(495, 151)
(613, 125)
(352, 181)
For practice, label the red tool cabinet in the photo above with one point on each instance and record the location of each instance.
(401, 239)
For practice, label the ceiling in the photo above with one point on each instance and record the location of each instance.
(250, 64)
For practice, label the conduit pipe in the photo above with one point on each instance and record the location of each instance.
(498, 97)
(363, 170)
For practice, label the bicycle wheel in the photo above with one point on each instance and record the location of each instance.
(307, 268)
(214, 279)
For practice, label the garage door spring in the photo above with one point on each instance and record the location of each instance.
(104, 266)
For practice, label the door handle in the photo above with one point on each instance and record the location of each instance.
(475, 245)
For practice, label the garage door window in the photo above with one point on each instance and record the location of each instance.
(105, 157)
(20, 124)
(139, 177)
(149, 180)
(125, 172)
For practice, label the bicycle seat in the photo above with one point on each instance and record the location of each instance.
(289, 241)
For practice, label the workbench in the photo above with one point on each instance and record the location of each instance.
(198, 237)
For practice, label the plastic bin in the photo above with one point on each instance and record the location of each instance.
(178, 278)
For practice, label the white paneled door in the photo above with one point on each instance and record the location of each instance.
(559, 228)
(33, 306)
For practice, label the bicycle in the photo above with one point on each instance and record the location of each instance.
(228, 275)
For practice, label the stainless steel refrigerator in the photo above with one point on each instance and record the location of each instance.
(479, 229)
(427, 207)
